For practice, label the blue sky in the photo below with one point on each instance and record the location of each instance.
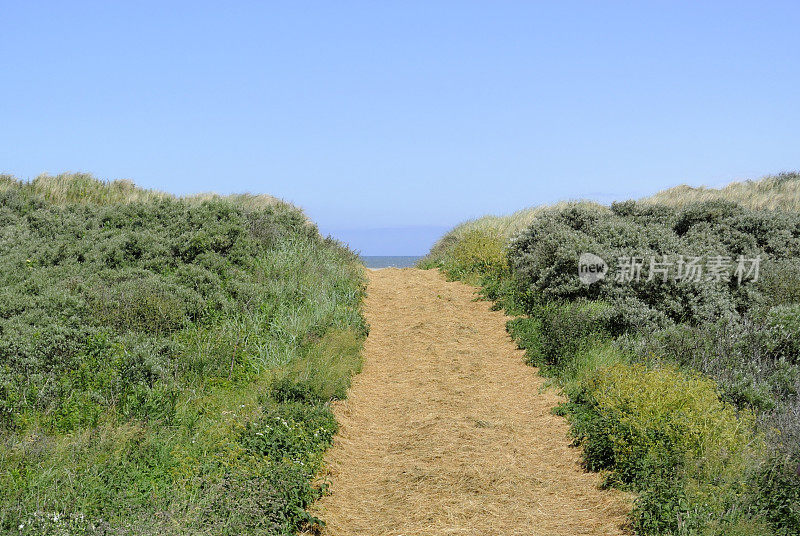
(390, 121)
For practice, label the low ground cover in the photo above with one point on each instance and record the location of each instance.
(685, 391)
(166, 364)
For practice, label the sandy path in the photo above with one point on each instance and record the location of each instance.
(445, 431)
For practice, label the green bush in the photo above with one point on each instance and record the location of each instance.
(566, 328)
(628, 353)
(143, 341)
(669, 435)
(272, 503)
(739, 355)
(526, 332)
(778, 493)
(783, 332)
(544, 257)
(779, 282)
(477, 254)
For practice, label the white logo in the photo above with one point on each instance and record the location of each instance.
(591, 268)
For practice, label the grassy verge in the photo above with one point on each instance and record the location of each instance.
(166, 364)
(685, 392)
(778, 192)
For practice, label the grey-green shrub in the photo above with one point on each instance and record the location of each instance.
(744, 337)
(141, 341)
(544, 256)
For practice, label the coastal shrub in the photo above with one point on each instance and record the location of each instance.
(290, 431)
(738, 355)
(544, 262)
(768, 196)
(544, 258)
(144, 340)
(502, 291)
(526, 332)
(783, 332)
(777, 493)
(688, 391)
(779, 282)
(478, 254)
(274, 503)
(566, 328)
(668, 434)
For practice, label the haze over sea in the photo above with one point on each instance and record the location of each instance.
(391, 261)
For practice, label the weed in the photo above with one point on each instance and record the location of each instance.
(146, 342)
(685, 391)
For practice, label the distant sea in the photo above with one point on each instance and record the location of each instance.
(376, 261)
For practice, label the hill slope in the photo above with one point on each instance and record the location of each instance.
(165, 364)
(774, 192)
(778, 192)
(681, 363)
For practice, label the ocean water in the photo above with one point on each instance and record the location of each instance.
(376, 261)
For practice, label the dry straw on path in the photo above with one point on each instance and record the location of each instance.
(447, 431)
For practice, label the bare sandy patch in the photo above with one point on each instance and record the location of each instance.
(447, 431)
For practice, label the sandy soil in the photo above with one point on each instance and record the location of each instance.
(447, 431)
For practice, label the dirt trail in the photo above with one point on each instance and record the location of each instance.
(445, 431)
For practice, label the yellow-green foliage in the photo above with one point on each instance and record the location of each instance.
(478, 253)
(667, 433)
(654, 408)
(778, 192)
(775, 192)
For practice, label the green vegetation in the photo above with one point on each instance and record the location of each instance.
(166, 364)
(775, 192)
(685, 391)
(84, 189)
(478, 252)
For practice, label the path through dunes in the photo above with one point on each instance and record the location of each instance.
(445, 431)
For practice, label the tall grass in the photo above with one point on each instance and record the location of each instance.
(166, 363)
(83, 188)
(773, 192)
(687, 393)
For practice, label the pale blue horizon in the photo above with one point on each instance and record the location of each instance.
(388, 122)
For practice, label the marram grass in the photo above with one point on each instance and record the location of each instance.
(166, 363)
(686, 393)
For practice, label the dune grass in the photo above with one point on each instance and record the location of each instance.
(774, 192)
(166, 363)
(686, 393)
(85, 189)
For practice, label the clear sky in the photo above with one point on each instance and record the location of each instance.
(390, 121)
